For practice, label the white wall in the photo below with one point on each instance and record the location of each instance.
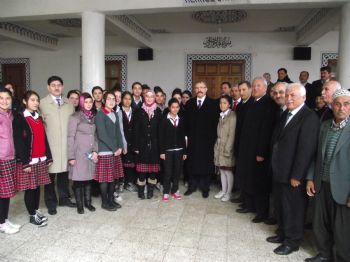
(270, 51)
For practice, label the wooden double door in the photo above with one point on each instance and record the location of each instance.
(216, 72)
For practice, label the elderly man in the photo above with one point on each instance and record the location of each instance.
(55, 111)
(328, 90)
(294, 144)
(330, 184)
(201, 118)
(254, 152)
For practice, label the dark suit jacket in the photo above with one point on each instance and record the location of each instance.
(339, 168)
(294, 146)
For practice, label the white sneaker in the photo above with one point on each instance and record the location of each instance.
(227, 197)
(117, 197)
(219, 195)
(12, 224)
(7, 229)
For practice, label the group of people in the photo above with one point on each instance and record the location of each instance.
(282, 142)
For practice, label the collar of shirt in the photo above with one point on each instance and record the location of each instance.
(237, 101)
(341, 125)
(174, 119)
(223, 114)
(244, 101)
(257, 99)
(26, 113)
(57, 97)
(284, 108)
(202, 99)
(137, 101)
(296, 110)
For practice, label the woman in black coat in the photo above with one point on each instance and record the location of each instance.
(146, 144)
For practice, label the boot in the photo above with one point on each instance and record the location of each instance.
(104, 195)
(111, 190)
(141, 188)
(87, 197)
(150, 186)
(78, 192)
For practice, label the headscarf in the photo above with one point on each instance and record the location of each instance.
(89, 114)
(150, 108)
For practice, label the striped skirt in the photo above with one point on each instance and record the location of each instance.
(38, 176)
(7, 178)
(147, 168)
(108, 168)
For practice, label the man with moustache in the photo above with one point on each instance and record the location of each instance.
(201, 118)
(279, 96)
(254, 152)
(328, 90)
(294, 144)
(329, 184)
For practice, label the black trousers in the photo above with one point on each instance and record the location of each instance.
(62, 188)
(331, 226)
(200, 180)
(130, 175)
(4, 209)
(261, 204)
(290, 203)
(31, 200)
(172, 170)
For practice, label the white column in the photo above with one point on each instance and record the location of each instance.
(93, 50)
(344, 47)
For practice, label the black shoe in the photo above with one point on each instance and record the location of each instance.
(270, 221)
(116, 204)
(67, 203)
(258, 219)
(205, 194)
(188, 192)
(285, 250)
(108, 207)
(37, 221)
(274, 239)
(236, 200)
(52, 211)
(244, 210)
(318, 258)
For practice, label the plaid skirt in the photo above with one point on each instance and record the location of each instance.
(108, 168)
(7, 176)
(31, 180)
(147, 168)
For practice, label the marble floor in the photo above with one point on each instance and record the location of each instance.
(192, 229)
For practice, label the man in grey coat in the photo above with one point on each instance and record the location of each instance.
(330, 184)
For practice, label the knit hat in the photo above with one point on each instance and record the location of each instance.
(341, 92)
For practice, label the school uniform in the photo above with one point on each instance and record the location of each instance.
(172, 143)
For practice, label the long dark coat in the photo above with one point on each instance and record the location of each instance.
(201, 133)
(145, 137)
(255, 141)
(128, 127)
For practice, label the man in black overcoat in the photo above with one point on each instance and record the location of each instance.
(254, 150)
(201, 118)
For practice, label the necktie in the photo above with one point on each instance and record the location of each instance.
(199, 104)
(235, 103)
(174, 121)
(288, 116)
(58, 101)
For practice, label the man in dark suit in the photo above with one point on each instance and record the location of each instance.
(136, 88)
(294, 144)
(201, 118)
(245, 91)
(303, 79)
(330, 184)
(316, 86)
(254, 151)
(282, 76)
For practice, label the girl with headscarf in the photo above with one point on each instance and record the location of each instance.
(82, 151)
(146, 144)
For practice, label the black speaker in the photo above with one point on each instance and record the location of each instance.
(145, 54)
(302, 53)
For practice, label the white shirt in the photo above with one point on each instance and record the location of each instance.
(128, 113)
(294, 112)
(137, 101)
(223, 114)
(201, 99)
(55, 99)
